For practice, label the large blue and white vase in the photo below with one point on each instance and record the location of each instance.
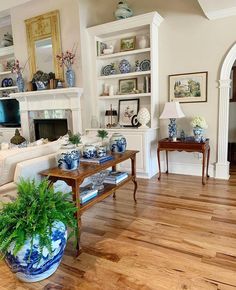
(117, 143)
(20, 83)
(29, 264)
(70, 78)
(69, 160)
(198, 134)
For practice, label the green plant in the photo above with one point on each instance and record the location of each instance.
(40, 76)
(74, 138)
(33, 212)
(102, 134)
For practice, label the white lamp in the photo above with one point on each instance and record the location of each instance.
(172, 111)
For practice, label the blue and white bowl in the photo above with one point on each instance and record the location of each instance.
(32, 266)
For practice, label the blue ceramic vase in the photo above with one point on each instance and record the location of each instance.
(117, 143)
(198, 132)
(69, 160)
(32, 266)
(20, 83)
(123, 11)
(70, 78)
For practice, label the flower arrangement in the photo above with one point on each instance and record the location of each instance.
(16, 68)
(199, 122)
(66, 59)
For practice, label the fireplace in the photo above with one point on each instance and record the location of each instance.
(50, 128)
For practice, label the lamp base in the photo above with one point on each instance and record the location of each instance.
(172, 129)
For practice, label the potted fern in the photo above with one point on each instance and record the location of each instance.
(33, 230)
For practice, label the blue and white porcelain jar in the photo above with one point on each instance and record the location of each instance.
(198, 132)
(124, 66)
(70, 77)
(101, 151)
(123, 10)
(29, 265)
(89, 151)
(117, 143)
(69, 160)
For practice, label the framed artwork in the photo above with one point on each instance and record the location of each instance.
(127, 43)
(188, 87)
(126, 86)
(127, 110)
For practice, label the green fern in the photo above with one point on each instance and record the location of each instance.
(102, 134)
(33, 213)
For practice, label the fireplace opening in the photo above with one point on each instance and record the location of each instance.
(50, 128)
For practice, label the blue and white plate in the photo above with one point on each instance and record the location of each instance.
(108, 70)
(5, 82)
(145, 65)
(10, 82)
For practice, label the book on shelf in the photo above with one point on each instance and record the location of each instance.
(116, 177)
(87, 194)
(98, 160)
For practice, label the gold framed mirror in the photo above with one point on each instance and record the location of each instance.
(44, 43)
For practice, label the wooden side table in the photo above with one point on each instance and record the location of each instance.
(202, 147)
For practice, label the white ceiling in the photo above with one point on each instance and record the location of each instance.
(215, 9)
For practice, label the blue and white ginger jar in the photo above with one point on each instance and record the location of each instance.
(124, 66)
(36, 267)
(69, 160)
(123, 10)
(117, 143)
(89, 151)
(198, 134)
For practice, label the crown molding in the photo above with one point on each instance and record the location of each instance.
(222, 13)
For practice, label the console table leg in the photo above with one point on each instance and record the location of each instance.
(133, 172)
(159, 164)
(167, 169)
(203, 167)
(208, 159)
(76, 199)
(114, 195)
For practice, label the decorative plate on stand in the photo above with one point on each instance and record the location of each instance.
(145, 65)
(108, 70)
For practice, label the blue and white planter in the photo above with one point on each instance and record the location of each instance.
(117, 143)
(69, 160)
(36, 267)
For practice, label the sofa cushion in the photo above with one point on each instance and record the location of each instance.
(31, 168)
(10, 158)
(8, 193)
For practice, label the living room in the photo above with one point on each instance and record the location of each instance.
(179, 232)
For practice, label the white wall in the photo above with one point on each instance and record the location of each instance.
(70, 31)
(188, 42)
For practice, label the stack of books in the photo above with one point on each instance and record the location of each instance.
(87, 193)
(115, 177)
(98, 160)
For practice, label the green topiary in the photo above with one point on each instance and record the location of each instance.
(102, 134)
(33, 212)
(74, 138)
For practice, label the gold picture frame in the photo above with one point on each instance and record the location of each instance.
(128, 43)
(41, 27)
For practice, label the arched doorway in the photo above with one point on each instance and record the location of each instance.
(222, 165)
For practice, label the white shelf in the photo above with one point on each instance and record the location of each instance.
(6, 50)
(7, 88)
(5, 73)
(141, 95)
(132, 74)
(124, 53)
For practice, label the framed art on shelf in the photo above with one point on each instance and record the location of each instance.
(127, 110)
(127, 43)
(188, 87)
(126, 86)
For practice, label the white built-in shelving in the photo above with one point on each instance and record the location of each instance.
(146, 90)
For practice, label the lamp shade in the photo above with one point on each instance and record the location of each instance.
(111, 113)
(172, 110)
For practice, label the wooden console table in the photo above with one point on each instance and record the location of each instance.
(76, 177)
(202, 147)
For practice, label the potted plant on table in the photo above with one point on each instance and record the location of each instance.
(33, 230)
(41, 80)
(199, 124)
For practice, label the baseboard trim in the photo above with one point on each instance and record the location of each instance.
(222, 170)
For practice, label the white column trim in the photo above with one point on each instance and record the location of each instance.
(222, 164)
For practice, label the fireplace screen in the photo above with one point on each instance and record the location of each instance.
(50, 128)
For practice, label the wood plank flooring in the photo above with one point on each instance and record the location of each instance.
(181, 235)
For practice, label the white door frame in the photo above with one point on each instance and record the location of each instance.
(222, 165)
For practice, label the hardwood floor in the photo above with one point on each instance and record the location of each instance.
(180, 235)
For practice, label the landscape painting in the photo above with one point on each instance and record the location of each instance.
(188, 87)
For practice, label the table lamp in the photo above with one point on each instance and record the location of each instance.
(172, 111)
(110, 113)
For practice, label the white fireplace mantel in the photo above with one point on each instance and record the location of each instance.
(65, 98)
